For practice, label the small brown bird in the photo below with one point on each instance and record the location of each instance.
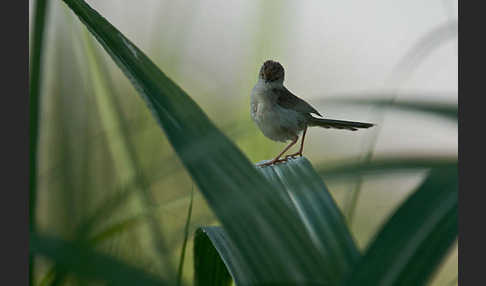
(282, 116)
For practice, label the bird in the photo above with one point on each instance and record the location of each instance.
(282, 116)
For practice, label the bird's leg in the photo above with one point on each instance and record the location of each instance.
(277, 159)
(301, 147)
(302, 143)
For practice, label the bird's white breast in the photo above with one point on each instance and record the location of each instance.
(275, 122)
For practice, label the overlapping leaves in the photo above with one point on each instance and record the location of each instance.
(281, 227)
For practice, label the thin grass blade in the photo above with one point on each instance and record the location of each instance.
(184, 242)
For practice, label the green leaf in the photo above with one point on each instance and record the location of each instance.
(305, 192)
(123, 153)
(266, 230)
(215, 258)
(34, 111)
(115, 229)
(415, 239)
(307, 198)
(34, 100)
(184, 242)
(447, 110)
(384, 165)
(57, 273)
(86, 262)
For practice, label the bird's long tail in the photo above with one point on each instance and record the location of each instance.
(338, 124)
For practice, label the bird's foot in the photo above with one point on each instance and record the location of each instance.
(292, 156)
(271, 162)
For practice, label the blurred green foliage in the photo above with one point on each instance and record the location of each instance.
(113, 192)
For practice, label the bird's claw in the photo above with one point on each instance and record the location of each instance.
(292, 156)
(275, 161)
(289, 157)
(272, 162)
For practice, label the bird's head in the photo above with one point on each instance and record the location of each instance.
(272, 72)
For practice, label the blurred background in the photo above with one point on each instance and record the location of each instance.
(97, 138)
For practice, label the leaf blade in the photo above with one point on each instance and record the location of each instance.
(35, 81)
(184, 242)
(383, 165)
(221, 171)
(88, 263)
(411, 244)
(309, 196)
(215, 259)
(446, 110)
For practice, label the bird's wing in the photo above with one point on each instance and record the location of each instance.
(287, 99)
